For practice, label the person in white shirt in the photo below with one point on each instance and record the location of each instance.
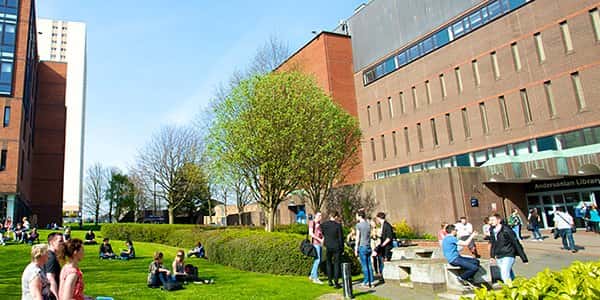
(564, 224)
(464, 230)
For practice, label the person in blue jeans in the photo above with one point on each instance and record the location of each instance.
(505, 247)
(450, 245)
(363, 248)
(314, 230)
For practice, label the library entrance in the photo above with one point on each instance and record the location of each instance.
(545, 202)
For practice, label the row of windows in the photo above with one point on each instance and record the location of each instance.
(577, 138)
(476, 19)
(8, 28)
(507, 120)
(541, 55)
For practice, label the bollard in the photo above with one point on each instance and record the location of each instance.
(347, 277)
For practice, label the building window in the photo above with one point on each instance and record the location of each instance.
(578, 91)
(402, 103)
(516, 58)
(415, 99)
(595, 17)
(406, 140)
(374, 156)
(443, 86)
(466, 125)
(449, 129)
(379, 115)
(383, 147)
(391, 107)
(526, 107)
(459, 84)
(484, 120)
(420, 136)
(3, 160)
(504, 112)
(495, 66)
(550, 98)
(434, 132)
(428, 92)
(6, 116)
(566, 36)
(394, 143)
(476, 72)
(539, 46)
(369, 115)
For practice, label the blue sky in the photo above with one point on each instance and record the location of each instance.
(152, 63)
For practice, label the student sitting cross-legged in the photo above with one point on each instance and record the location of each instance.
(106, 251)
(128, 253)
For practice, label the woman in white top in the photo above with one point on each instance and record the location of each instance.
(34, 284)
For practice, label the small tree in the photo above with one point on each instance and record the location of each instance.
(191, 188)
(95, 189)
(120, 195)
(348, 200)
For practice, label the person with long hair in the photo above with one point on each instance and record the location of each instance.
(534, 225)
(34, 284)
(71, 278)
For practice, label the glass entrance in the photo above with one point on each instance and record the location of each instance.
(569, 200)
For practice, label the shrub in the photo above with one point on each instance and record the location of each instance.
(154, 233)
(579, 281)
(404, 231)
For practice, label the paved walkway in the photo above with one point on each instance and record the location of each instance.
(542, 255)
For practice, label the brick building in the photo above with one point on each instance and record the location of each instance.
(32, 155)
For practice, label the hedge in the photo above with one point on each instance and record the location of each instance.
(578, 281)
(250, 249)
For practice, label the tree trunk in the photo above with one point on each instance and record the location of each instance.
(271, 219)
(171, 215)
(240, 218)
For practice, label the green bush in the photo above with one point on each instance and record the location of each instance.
(152, 233)
(579, 281)
(404, 231)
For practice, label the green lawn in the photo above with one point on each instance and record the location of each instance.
(127, 279)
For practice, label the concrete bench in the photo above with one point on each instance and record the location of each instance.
(426, 274)
(416, 253)
(481, 278)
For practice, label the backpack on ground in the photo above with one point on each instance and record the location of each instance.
(191, 271)
(172, 286)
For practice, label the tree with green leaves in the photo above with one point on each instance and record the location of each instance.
(266, 129)
(192, 188)
(120, 195)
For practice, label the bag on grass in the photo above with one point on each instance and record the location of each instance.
(172, 286)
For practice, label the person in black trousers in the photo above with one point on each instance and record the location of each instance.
(334, 245)
(385, 246)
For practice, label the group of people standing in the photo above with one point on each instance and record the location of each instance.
(44, 278)
(329, 235)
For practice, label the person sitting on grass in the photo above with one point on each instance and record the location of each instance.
(128, 253)
(197, 251)
(106, 251)
(90, 238)
(2, 231)
(67, 235)
(157, 274)
(33, 236)
(20, 233)
(186, 273)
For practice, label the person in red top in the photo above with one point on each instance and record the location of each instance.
(71, 279)
(314, 230)
(442, 233)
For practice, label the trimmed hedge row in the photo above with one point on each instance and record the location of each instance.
(244, 249)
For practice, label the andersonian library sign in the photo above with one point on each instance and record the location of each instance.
(565, 184)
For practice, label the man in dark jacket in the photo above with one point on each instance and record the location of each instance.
(505, 247)
(385, 246)
(334, 243)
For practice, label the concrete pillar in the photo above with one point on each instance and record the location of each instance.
(10, 207)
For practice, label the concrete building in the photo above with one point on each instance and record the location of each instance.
(32, 135)
(65, 41)
(470, 107)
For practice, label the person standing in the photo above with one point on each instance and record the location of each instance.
(594, 219)
(515, 222)
(52, 266)
(534, 225)
(314, 230)
(34, 284)
(505, 247)
(564, 223)
(450, 245)
(71, 277)
(387, 237)
(334, 245)
(363, 248)
(464, 230)
(375, 241)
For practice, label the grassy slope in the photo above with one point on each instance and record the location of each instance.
(127, 279)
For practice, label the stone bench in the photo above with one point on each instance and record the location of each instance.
(414, 252)
(426, 274)
(481, 278)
